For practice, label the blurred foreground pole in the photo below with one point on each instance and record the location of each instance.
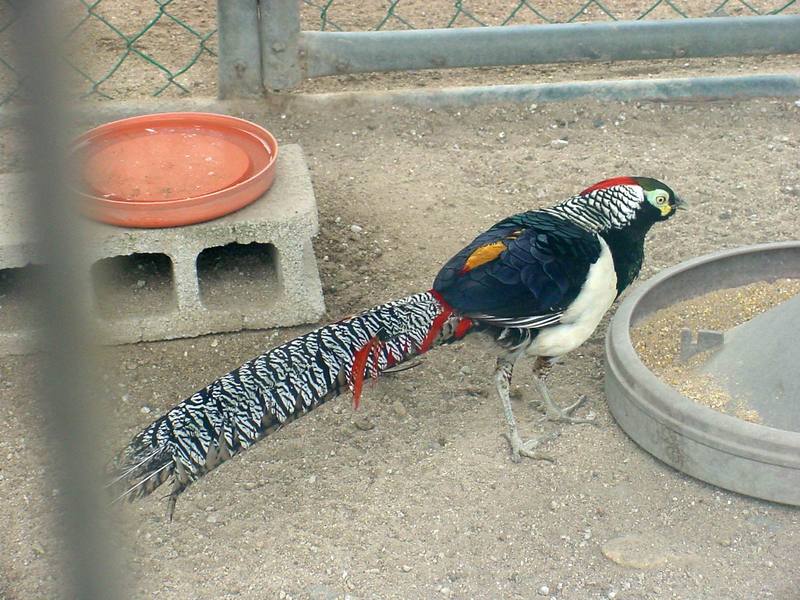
(64, 371)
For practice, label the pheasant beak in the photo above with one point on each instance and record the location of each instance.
(681, 204)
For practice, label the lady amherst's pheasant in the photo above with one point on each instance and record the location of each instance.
(537, 283)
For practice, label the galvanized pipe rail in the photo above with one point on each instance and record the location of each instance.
(331, 53)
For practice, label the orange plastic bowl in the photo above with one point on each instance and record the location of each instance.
(171, 169)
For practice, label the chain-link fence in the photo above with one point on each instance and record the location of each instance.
(135, 48)
(124, 48)
(350, 15)
(9, 77)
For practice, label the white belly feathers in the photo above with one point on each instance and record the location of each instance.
(585, 313)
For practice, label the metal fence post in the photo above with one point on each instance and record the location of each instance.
(68, 403)
(239, 68)
(280, 48)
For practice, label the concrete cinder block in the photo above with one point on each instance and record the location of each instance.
(252, 269)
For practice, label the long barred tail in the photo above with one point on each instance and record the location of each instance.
(238, 409)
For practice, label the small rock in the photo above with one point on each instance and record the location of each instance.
(249, 485)
(337, 410)
(313, 479)
(406, 568)
(559, 144)
(475, 390)
(635, 551)
(145, 410)
(364, 424)
(214, 343)
(466, 370)
(356, 228)
(140, 283)
(501, 135)
(544, 591)
(445, 591)
(797, 103)
(399, 409)
(211, 519)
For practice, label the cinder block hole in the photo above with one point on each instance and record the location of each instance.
(240, 274)
(134, 285)
(18, 288)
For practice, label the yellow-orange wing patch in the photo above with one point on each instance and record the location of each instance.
(483, 255)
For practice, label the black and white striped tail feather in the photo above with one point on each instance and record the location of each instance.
(238, 409)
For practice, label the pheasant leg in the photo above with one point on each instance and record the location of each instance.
(554, 412)
(519, 448)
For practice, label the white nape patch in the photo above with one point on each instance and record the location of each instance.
(585, 313)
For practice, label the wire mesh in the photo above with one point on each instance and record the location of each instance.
(9, 77)
(123, 48)
(134, 48)
(352, 15)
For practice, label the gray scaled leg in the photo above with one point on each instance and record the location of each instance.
(554, 412)
(502, 379)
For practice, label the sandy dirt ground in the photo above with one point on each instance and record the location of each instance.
(420, 499)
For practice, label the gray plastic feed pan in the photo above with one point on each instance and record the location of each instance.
(748, 458)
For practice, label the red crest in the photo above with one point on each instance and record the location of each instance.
(610, 183)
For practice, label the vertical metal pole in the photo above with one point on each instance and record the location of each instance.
(72, 431)
(239, 49)
(280, 48)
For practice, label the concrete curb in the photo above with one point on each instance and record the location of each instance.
(656, 90)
